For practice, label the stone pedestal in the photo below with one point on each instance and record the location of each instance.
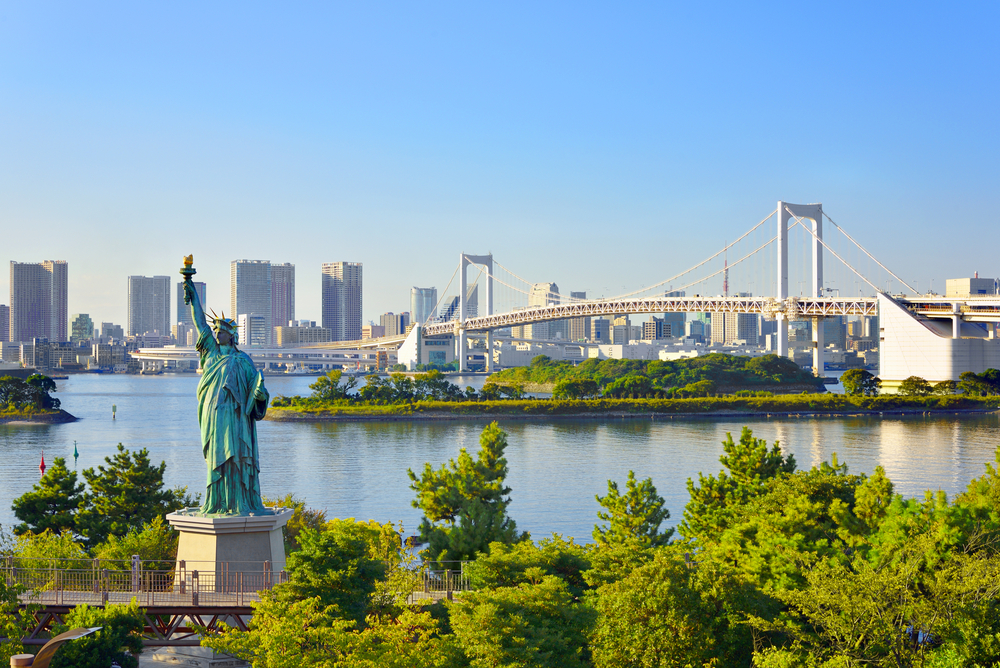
(230, 553)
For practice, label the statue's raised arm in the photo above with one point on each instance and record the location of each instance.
(191, 297)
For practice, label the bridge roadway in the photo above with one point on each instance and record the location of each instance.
(794, 308)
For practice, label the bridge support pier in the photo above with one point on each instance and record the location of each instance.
(819, 345)
(462, 352)
(489, 351)
(781, 331)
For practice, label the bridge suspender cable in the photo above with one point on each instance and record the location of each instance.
(705, 278)
(844, 232)
(728, 246)
(433, 313)
(798, 221)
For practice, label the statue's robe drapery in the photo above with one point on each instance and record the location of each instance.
(228, 409)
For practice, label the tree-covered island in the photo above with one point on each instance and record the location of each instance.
(714, 384)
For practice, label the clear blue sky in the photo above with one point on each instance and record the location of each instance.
(589, 144)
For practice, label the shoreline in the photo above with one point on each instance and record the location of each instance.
(648, 415)
(55, 417)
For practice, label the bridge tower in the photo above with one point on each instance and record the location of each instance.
(814, 213)
(460, 340)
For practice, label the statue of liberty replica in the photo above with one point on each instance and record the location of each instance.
(231, 398)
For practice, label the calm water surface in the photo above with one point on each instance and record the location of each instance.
(556, 468)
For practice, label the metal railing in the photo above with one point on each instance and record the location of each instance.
(153, 583)
(181, 583)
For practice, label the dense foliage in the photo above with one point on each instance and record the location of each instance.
(27, 396)
(645, 378)
(774, 567)
(119, 639)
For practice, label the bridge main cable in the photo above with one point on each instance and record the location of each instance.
(728, 246)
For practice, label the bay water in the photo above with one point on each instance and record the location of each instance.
(359, 469)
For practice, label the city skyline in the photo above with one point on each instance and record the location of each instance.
(649, 135)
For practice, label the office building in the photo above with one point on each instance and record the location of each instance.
(253, 329)
(600, 330)
(674, 321)
(81, 328)
(38, 301)
(394, 324)
(835, 332)
(110, 331)
(184, 310)
(579, 328)
(423, 301)
(250, 292)
(282, 294)
(4, 323)
(342, 300)
(148, 305)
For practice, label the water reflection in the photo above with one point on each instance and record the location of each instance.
(556, 468)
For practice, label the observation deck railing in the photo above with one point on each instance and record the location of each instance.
(69, 582)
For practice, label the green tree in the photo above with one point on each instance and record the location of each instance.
(971, 384)
(330, 388)
(335, 566)
(860, 383)
(128, 493)
(751, 465)
(575, 389)
(945, 387)
(52, 503)
(633, 517)
(465, 501)
(154, 541)
(305, 633)
(533, 624)
(507, 565)
(302, 518)
(32, 547)
(15, 623)
(915, 386)
(44, 386)
(669, 612)
(120, 637)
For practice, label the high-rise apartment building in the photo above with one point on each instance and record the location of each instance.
(250, 290)
(4, 323)
(342, 292)
(252, 330)
(422, 304)
(39, 301)
(728, 328)
(282, 294)
(148, 305)
(184, 310)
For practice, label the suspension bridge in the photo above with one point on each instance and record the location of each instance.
(763, 258)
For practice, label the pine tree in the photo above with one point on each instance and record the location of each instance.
(465, 501)
(125, 495)
(53, 503)
(635, 516)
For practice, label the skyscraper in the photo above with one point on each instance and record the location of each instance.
(148, 305)
(38, 301)
(342, 283)
(4, 323)
(422, 304)
(250, 290)
(282, 295)
(184, 310)
(81, 328)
